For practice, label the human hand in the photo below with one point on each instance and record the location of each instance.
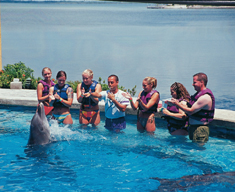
(126, 95)
(51, 97)
(56, 96)
(139, 100)
(172, 102)
(111, 96)
(82, 92)
(88, 94)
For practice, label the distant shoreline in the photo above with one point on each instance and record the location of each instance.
(198, 3)
(178, 6)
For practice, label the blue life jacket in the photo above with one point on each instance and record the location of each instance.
(62, 93)
(87, 101)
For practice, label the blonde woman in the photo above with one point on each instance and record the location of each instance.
(89, 110)
(43, 90)
(146, 104)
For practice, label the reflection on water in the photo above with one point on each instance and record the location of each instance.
(126, 39)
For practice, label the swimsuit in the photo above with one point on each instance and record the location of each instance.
(143, 121)
(88, 114)
(115, 124)
(60, 118)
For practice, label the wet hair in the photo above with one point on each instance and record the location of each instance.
(45, 68)
(181, 91)
(88, 72)
(61, 74)
(116, 77)
(201, 77)
(151, 80)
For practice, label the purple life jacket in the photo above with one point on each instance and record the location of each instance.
(46, 87)
(175, 123)
(145, 97)
(203, 115)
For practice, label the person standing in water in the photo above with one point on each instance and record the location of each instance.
(177, 120)
(146, 104)
(61, 97)
(201, 109)
(43, 90)
(115, 105)
(89, 110)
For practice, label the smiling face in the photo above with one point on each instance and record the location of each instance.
(173, 93)
(146, 86)
(87, 79)
(61, 81)
(47, 75)
(197, 84)
(113, 84)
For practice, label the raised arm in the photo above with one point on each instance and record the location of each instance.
(128, 96)
(202, 103)
(154, 100)
(69, 102)
(39, 93)
(51, 96)
(120, 106)
(80, 93)
(98, 89)
(180, 115)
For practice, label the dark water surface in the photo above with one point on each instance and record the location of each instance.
(126, 39)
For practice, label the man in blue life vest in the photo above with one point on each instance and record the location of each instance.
(200, 110)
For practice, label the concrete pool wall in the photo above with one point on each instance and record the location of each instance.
(25, 97)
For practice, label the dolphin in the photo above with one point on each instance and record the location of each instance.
(39, 128)
(186, 182)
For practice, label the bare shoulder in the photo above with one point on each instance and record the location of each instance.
(70, 89)
(40, 86)
(98, 88)
(205, 99)
(79, 86)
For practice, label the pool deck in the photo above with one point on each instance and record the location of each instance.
(26, 97)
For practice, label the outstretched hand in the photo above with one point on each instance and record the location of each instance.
(126, 95)
(172, 102)
(51, 97)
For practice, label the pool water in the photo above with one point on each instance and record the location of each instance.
(94, 159)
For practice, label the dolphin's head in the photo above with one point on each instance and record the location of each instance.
(41, 111)
(39, 128)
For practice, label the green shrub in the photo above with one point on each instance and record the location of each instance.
(20, 71)
(106, 87)
(17, 70)
(74, 85)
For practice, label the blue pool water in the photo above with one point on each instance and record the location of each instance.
(88, 159)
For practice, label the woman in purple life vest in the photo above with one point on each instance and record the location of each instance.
(177, 120)
(43, 89)
(146, 103)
